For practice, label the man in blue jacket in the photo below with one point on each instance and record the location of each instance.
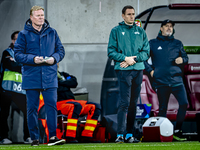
(168, 60)
(129, 47)
(39, 48)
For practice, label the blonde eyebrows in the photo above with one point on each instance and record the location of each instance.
(35, 8)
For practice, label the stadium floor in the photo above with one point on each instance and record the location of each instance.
(189, 145)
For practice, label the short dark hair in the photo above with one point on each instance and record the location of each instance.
(13, 35)
(126, 7)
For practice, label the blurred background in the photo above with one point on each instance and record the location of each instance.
(83, 27)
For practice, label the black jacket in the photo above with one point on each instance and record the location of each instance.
(64, 84)
(6, 63)
(163, 51)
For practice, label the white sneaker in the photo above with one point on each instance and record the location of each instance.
(28, 141)
(6, 141)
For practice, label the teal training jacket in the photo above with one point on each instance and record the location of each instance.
(126, 40)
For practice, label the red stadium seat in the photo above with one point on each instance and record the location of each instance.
(192, 76)
(148, 95)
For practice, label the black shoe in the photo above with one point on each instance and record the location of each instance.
(35, 143)
(119, 139)
(178, 136)
(132, 140)
(56, 141)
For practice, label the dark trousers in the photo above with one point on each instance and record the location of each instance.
(129, 90)
(197, 118)
(5, 103)
(180, 94)
(50, 99)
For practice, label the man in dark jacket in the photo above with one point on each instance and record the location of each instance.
(39, 48)
(9, 64)
(168, 60)
(129, 47)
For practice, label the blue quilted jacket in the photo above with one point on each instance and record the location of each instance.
(163, 51)
(31, 43)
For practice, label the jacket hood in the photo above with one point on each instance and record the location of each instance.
(28, 25)
(127, 26)
(165, 38)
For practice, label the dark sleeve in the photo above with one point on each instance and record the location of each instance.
(112, 51)
(8, 64)
(148, 67)
(70, 81)
(183, 54)
(59, 49)
(20, 51)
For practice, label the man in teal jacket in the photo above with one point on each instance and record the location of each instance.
(129, 47)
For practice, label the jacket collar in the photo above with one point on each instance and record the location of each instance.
(165, 38)
(123, 24)
(28, 26)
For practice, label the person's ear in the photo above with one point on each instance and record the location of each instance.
(123, 16)
(31, 17)
(161, 29)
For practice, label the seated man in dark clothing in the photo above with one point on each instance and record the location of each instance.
(67, 105)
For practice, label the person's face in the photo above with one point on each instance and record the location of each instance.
(15, 38)
(129, 16)
(167, 29)
(37, 18)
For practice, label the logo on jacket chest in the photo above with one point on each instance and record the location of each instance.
(123, 33)
(159, 48)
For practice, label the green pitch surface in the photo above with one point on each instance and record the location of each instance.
(110, 146)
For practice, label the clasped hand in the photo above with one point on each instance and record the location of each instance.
(129, 61)
(40, 60)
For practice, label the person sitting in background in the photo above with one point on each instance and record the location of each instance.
(67, 105)
(8, 63)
